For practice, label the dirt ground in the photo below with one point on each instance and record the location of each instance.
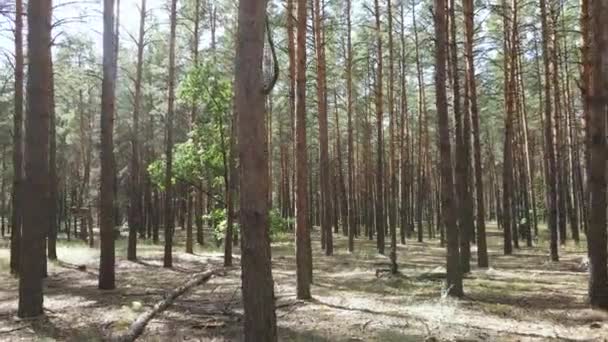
(523, 297)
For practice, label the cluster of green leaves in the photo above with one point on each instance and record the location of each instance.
(279, 224)
(218, 222)
(202, 155)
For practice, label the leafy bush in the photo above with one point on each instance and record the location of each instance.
(218, 223)
(278, 224)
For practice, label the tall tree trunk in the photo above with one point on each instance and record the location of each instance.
(169, 219)
(482, 250)
(258, 292)
(448, 207)
(324, 183)
(303, 245)
(393, 189)
(349, 109)
(227, 157)
(422, 136)
(549, 147)
(106, 210)
(528, 153)
(135, 214)
(405, 135)
(598, 94)
(53, 180)
(290, 171)
(585, 23)
(17, 192)
(558, 110)
(342, 196)
(465, 219)
(36, 188)
(508, 189)
(380, 225)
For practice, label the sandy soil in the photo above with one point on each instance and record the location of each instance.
(523, 297)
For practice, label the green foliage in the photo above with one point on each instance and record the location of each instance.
(156, 170)
(278, 224)
(203, 155)
(218, 222)
(188, 161)
(205, 85)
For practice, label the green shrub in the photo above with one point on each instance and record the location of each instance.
(278, 224)
(218, 223)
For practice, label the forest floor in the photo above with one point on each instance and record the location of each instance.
(523, 297)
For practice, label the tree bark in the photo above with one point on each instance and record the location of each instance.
(303, 245)
(465, 208)
(549, 147)
(258, 292)
(482, 249)
(136, 214)
(106, 212)
(169, 219)
(454, 275)
(394, 188)
(36, 187)
(598, 101)
(405, 136)
(17, 192)
(324, 174)
(380, 224)
(349, 109)
(508, 140)
(53, 180)
(422, 134)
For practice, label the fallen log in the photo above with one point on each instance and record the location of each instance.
(138, 326)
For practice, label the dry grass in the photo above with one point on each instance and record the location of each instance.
(523, 297)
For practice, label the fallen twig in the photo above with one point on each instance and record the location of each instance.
(146, 293)
(138, 326)
(294, 305)
(13, 329)
(284, 305)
